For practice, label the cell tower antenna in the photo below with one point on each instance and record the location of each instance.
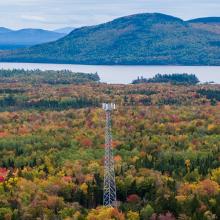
(109, 190)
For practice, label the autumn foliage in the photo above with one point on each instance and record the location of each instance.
(166, 150)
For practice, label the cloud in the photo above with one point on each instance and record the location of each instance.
(33, 18)
(52, 14)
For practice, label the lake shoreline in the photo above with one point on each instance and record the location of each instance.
(84, 64)
(123, 74)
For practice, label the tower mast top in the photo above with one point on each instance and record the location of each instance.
(108, 106)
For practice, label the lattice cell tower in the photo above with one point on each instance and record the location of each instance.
(109, 194)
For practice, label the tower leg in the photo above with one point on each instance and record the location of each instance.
(109, 196)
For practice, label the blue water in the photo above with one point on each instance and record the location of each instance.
(125, 74)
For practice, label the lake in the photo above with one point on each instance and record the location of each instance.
(125, 74)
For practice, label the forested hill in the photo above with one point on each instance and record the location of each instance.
(153, 39)
(210, 24)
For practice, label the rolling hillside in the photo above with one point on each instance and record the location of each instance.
(152, 39)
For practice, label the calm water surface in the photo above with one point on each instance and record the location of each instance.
(125, 74)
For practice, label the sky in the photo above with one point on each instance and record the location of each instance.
(53, 14)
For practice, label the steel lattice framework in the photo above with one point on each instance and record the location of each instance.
(109, 194)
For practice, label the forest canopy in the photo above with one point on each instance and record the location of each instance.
(165, 142)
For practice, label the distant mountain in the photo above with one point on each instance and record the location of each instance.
(10, 39)
(4, 30)
(65, 30)
(141, 39)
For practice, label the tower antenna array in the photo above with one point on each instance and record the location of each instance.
(109, 195)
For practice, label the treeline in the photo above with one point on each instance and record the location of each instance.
(80, 102)
(210, 94)
(10, 103)
(142, 92)
(11, 91)
(48, 76)
(186, 79)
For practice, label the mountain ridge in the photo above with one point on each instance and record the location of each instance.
(205, 20)
(12, 39)
(4, 30)
(64, 30)
(140, 39)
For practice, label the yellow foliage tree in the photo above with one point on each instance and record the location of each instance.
(133, 215)
(105, 213)
(84, 188)
(187, 163)
(216, 175)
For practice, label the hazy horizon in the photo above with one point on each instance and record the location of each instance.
(53, 14)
